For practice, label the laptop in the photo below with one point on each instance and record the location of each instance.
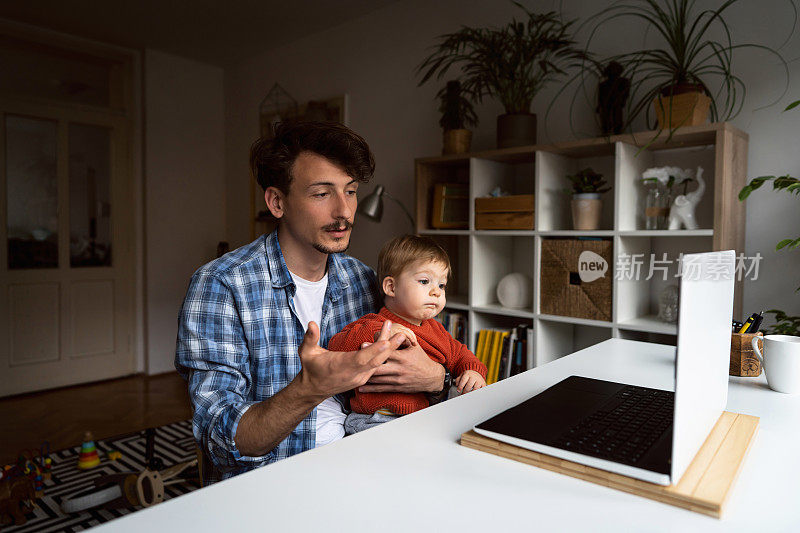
(643, 433)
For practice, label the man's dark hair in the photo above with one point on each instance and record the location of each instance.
(271, 160)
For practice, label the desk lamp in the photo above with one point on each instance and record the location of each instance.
(372, 206)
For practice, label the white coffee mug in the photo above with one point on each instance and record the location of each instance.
(781, 361)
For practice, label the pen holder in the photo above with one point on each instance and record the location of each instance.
(743, 360)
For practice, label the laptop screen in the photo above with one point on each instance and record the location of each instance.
(704, 337)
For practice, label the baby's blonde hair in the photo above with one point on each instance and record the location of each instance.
(401, 252)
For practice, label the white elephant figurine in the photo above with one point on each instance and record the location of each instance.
(682, 211)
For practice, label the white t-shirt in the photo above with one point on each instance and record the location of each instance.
(308, 303)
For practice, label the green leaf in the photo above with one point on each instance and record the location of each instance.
(784, 242)
(792, 105)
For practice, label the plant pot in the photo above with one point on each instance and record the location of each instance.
(456, 141)
(681, 105)
(516, 129)
(586, 210)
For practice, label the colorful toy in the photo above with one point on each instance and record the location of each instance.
(132, 489)
(45, 463)
(16, 498)
(88, 457)
(48, 467)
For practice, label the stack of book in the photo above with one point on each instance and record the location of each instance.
(505, 352)
(455, 324)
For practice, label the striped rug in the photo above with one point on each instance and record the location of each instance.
(174, 443)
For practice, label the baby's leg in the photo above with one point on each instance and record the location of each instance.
(356, 422)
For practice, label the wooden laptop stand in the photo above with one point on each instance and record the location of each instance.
(704, 487)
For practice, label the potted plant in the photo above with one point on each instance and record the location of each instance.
(457, 116)
(674, 79)
(511, 63)
(785, 324)
(587, 186)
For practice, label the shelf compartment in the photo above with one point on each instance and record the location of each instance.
(483, 320)
(487, 175)
(553, 199)
(636, 296)
(631, 195)
(428, 174)
(557, 338)
(494, 257)
(576, 278)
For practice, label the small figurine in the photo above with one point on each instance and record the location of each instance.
(88, 457)
(612, 94)
(682, 211)
(114, 455)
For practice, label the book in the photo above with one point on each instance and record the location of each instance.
(490, 354)
(531, 363)
(500, 346)
(508, 355)
(521, 351)
(480, 345)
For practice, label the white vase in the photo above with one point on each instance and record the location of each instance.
(515, 291)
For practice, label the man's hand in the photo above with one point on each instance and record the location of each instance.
(326, 373)
(407, 370)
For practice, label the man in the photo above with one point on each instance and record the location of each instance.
(253, 321)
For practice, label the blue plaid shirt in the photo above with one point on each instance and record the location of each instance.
(238, 339)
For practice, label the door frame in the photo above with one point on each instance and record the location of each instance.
(125, 109)
(122, 234)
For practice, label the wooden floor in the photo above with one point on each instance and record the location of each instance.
(107, 408)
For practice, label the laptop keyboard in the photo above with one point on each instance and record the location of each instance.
(625, 426)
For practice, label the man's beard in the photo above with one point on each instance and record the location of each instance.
(345, 245)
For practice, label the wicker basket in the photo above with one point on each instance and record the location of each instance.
(564, 291)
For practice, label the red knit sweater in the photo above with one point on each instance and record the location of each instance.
(432, 338)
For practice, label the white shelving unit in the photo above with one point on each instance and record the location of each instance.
(480, 258)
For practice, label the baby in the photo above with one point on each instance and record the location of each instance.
(412, 271)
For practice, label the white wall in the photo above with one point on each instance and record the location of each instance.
(373, 60)
(184, 188)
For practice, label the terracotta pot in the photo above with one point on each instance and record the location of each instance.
(681, 105)
(456, 141)
(586, 210)
(516, 129)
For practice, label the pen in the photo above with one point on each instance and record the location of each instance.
(757, 322)
(748, 323)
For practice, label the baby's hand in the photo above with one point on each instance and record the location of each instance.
(411, 339)
(469, 381)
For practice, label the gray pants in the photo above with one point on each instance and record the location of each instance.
(356, 422)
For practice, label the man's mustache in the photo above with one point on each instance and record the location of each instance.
(338, 226)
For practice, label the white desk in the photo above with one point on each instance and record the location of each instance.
(412, 475)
